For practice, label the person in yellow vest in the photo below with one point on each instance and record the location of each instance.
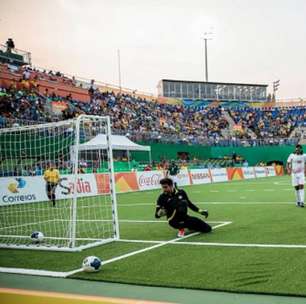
(52, 177)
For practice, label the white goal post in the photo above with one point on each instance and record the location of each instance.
(73, 211)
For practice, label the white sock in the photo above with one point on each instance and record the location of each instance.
(297, 195)
(301, 196)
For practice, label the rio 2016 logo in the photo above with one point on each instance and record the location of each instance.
(14, 187)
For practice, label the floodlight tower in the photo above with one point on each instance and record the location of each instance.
(207, 36)
(119, 69)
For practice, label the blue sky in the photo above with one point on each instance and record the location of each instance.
(253, 41)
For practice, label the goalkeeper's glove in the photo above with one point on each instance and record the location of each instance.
(161, 212)
(203, 212)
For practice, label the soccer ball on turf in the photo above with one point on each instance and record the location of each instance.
(37, 237)
(91, 264)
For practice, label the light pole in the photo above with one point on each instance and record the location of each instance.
(119, 69)
(207, 36)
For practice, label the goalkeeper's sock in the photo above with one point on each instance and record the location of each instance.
(181, 233)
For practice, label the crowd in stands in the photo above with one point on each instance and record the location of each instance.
(33, 74)
(150, 121)
(142, 120)
(270, 123)
(20, 105)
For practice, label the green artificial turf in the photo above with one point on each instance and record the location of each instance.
(262, 211)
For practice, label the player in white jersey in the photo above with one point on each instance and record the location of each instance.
(296, 167)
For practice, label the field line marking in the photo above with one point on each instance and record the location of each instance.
(242, 245)
(38, 272)
(159, 242)
(133, 221)
(221, 244)
(157, 245)
(213, 203)
(127, 255)
(161, 221)
(140, 241)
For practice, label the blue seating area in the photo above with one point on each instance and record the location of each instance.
(194, 122)
(270, 122)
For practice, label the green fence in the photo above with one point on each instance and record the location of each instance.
(35, 146)
(252, 154)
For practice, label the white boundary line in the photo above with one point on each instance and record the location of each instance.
(161, 242)
(66, 274)
(45, 273)
(161, 221)
(242, 245)
(215, 203)
(157, 244)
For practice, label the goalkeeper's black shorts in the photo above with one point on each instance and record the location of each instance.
(190, 222)
(50, 187)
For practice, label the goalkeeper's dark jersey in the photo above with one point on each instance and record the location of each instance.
(175, 204)
(173, 170)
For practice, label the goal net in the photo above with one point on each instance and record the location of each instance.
(74, 210)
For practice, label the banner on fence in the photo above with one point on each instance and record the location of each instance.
(200, 176)
(248, 172)
(28, 189)
(279, 170)
(270, 171)
(126, 182)
(260, 171)
(234, 173)
(219, 175)
(147, 180)
(183, 178)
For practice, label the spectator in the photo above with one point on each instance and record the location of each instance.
(10, 45)
(148, 167)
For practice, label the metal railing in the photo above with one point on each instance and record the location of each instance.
(85, 83)
(8, 55)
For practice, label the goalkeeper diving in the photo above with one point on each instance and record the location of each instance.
(52, 177)
(174, 204)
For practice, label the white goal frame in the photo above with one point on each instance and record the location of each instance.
(74, 151)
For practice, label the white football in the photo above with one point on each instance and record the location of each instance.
(91, 264)
(37, 237)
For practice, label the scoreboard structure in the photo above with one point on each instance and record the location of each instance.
(212, 90)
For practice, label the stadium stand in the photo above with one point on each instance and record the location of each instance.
(270, 122)
(30, 95)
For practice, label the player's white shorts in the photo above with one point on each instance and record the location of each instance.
(174, 178)
(298, 179)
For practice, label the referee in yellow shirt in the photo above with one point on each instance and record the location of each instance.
(52, 178)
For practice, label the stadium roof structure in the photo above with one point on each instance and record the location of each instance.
(217, 83)
(119, 142)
